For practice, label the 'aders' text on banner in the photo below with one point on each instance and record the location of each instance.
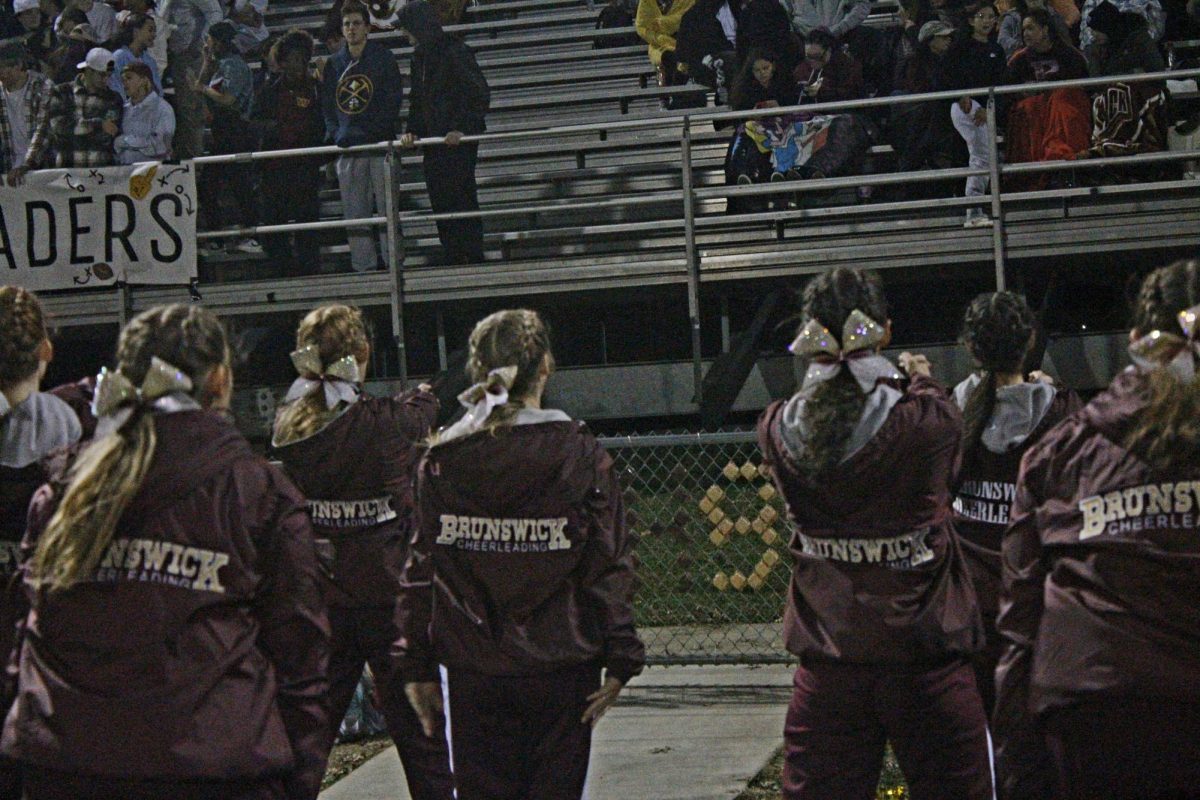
(94, 227)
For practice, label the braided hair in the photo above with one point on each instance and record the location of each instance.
(1167, 431)
(997, 331)
(22, 328)
(516, 337)
(833, 411)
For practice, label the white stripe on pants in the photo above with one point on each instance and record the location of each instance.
(361, 184)
(976, 137)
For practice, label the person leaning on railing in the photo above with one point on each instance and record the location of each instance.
(26, 112)
(84, 116)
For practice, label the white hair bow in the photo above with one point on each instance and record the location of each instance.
(339, 380)
(860, 336)
(1170, 351)
(480, 400)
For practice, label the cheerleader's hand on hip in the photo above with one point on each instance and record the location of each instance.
(601, 700)
(426, 700)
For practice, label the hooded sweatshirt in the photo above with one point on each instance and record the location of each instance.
(987, 478)
(449, 90)
(878, 576)
(1100, 578)
(521, 563)
(361, 96)
(199, 648)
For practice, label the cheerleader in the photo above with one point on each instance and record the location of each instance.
(1004, 414)
(880, 611)
(519, 581)
(1097, 691)
(176, 644)
(33, 424)
(353, 456)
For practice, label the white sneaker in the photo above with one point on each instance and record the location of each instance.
(976, 219)
(250, 247)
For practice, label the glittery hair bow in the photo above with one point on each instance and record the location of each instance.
(339, 380)
(479, 400)
(114, 391)
(860, 336)
(1167, 350)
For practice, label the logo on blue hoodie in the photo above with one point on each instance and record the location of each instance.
(354, 93)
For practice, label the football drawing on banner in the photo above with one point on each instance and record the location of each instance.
(95, 227)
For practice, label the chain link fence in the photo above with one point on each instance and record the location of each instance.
(711, 547)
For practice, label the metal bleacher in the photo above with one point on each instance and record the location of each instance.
(621, 226)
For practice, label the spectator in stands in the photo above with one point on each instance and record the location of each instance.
(974, 62)
(761, 83)
(1010, 36)
(1127, 118)
(657, 22)
(1050, 125)
(148, 122)
(331, 37)
(838, 17)
(288, 110)
(75, 42)
(36, 31)
(832, 143)
(250, 18)
(137, 34)
(707, 43)
(450, 99)
(1149, 10)
(923, 133)
(1120, 43)
(189, 21)
(360, 96)
(101, 17)
(26, 113)
(162, 30)
(765, 25)
(227, 84)
(900, 42)
(85, 116)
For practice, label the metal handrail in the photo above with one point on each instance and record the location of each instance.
(688, 193)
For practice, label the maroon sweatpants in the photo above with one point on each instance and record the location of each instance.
(1126, 749)
(519, 738)
(841, 716)
(363, 635)
(46, 784)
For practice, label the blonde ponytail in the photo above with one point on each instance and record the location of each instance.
(109, 473)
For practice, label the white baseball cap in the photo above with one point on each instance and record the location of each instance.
(98, 59)
(21, 6)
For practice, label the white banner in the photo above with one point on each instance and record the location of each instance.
(64, 228)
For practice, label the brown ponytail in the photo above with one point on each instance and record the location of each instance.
(1167, 433)
(834, 409)
(513, 338)
(110, 472)
(997, 329)
(336, 331)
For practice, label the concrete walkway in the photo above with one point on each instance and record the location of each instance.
(678, 733)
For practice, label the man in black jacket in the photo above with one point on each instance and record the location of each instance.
(449, 98)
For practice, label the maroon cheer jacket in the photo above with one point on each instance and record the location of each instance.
(198, 649)
(357, 473)
(879, 577)
(521, 562)
(1101, 578)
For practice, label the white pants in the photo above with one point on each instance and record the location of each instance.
(976, 137)
(361, 183)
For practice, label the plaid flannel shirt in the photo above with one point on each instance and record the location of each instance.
(76, 116)
(37, 106)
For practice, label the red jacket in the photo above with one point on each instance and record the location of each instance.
(1101, 578)
(199, 649)
(878, 575)
(521, 563)
(357, 473)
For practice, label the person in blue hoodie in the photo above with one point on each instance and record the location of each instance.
(360, 95)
